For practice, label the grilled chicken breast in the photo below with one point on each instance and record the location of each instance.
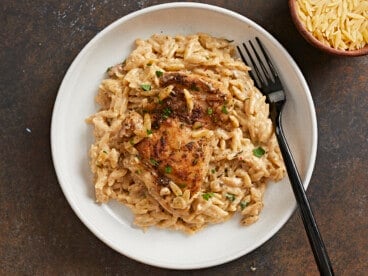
(171, 153)
(175, 155)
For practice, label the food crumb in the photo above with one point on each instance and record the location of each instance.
(28, 130)
(253, 268)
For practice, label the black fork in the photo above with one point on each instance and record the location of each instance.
(268, 82)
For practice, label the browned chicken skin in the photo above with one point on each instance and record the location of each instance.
(171, 153)
(175, 156)
(209, 100)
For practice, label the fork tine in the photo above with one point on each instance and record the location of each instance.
(252, 75)
(254, 66)
(264, 73)
(262, 66)
(268, 60)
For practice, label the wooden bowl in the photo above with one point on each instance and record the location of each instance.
(315, 42)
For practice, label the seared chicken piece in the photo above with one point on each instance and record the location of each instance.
(174, 155)
(209, 109)
(171, 153)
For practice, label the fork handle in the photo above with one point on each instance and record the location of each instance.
(315, 239)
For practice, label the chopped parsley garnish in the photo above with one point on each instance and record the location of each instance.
(224, 109)
(138, 171)
(182, 186)
(166, 112)
(104, 151)
(213, 170)
(209, 111)
(230, 197)
(149, 64)
(149, 131)
(168, 169)
(159, 73)
(154, 162)
(258, 152)
(108, 69)
(146, 87)
(207, 196)
(243, 204)
(131, 141)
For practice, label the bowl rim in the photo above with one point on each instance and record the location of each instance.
(315, 42)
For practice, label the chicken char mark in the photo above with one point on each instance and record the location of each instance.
(208, 102)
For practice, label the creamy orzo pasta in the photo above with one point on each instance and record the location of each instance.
(183, 137)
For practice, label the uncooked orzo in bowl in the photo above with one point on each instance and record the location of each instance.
(183, 137)
(340, 24)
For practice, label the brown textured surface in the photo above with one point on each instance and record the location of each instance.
(39, 232)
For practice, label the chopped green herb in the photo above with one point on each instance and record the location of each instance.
(154, 162)
(166, 112)
(213, 170)
(229, 41)
(159, 73)
(209, 111)
(104, 151)
(138, 171)
(194, 87)
(168, 169)
(195, 161)
(131, 141)
(243, 204)
(146, 87)
(258, 152)
(224, 109)
(108, 69)
(149, 64)
(207, 196)
(149, 131)
(182, 186)
(230, 197)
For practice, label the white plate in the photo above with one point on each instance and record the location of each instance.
(71, 138)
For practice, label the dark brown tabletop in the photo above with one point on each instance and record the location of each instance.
(40, 233)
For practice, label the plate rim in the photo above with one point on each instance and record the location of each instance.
(84, 51)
